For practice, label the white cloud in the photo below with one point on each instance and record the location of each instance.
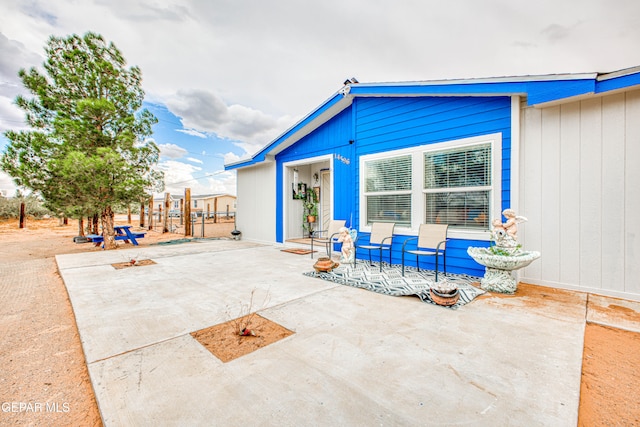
(179, 176)
(203, 111)
(172, 151)
(7, 187)
(11, 117)
(147, 12)
(246, 72)
(555, 32)
(192, 132)
(223, 182)
(270, 57)
(194, 160)
(231, 157)
(14, 57)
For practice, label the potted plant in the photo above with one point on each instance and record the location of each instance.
(310, 211)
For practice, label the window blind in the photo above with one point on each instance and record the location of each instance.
(393, 177)
(392, 208)
(447, 173)
(468, 209)
(458, 167)
(392, 174)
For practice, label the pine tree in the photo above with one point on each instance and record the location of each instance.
(88, 149)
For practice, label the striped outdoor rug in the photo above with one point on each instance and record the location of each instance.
(391, 281)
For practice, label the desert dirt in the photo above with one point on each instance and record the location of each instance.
(43, 374)
(230, 340)
(44, 378)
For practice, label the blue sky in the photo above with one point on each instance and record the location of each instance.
(226, 77)
(191, 158)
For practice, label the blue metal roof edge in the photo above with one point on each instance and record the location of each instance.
(537, 91)
(610, 82)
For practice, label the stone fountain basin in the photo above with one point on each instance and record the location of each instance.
(502, 262)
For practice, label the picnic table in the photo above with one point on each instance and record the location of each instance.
(123, 232)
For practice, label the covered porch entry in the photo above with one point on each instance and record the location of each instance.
(308, 181)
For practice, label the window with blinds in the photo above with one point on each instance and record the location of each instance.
(455, 182)
(387, 190)
(457, 186)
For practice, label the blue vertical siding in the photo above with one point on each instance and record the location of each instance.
(374, 125)
(409, 122)
(331, 138)
(324, 140)
(458, 261)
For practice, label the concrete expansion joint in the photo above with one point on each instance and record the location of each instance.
(586, 308)
(133, 350)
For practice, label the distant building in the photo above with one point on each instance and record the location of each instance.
(221, 204)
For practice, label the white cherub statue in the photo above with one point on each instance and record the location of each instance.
(347, 245)
(506, 234)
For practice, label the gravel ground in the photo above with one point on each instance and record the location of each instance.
(43, 374)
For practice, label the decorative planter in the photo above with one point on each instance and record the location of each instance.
(324, 264)
(311, 218)
(445, 299)
(498, 268)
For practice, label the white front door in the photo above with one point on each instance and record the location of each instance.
(325, 199)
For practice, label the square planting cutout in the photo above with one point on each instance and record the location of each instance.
(133, 263)
(225, 342)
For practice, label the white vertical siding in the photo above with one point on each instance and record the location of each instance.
(591, 193)
(632, 193)
(579, 188)
(550, 203)
(613, 127)
(531, 169)
(256, 203)
(569, 210)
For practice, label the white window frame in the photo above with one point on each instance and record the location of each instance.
(387, 192)
(417, 184)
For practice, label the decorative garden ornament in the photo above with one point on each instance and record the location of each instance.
(347, 251)
(504, 256)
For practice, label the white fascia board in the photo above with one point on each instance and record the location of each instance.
(471, 81)
(304, 127)
(312, 125)
(619, 73)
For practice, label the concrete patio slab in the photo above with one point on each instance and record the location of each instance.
(619, 313)
(356, 358)
(191, 286)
